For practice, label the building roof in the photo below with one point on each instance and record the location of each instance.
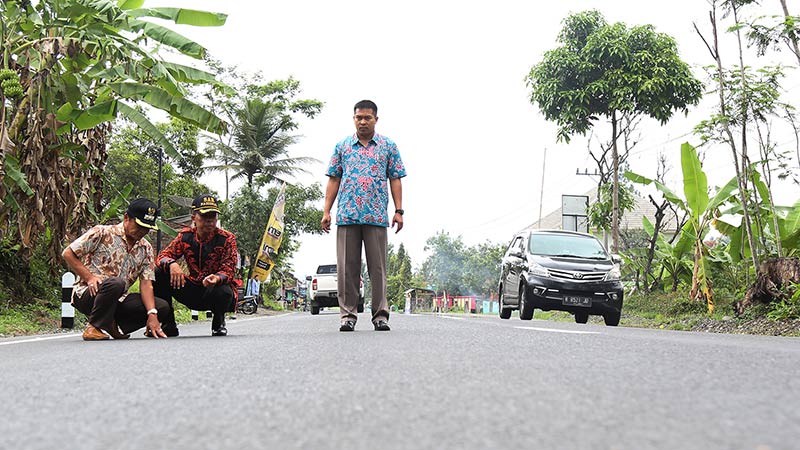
(630, 220)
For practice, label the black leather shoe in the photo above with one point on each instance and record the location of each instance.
(348, 325)
(218, 325)
(381, 325)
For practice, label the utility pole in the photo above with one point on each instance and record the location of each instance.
(541, 191)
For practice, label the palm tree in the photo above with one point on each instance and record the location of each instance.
(259, 145)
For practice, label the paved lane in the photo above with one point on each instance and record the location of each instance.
(294, 381)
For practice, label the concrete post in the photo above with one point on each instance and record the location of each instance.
(67, 310)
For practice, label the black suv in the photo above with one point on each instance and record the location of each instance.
(560, 270)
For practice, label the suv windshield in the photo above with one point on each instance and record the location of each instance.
(551, 244)
(330, 268)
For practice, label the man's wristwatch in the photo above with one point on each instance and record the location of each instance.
(399, 211)
(152, 311)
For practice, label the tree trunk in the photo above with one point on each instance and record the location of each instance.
(777, 280)
(792, 37)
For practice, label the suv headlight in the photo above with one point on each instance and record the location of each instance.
(536, 269)
(613, 274)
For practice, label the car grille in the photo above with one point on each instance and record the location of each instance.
(577, 276)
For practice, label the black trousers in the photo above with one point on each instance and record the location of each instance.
(218, 299)
(104, 308)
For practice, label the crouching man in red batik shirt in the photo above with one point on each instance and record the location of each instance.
(210, 255)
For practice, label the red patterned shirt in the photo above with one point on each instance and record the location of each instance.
(215, 255)
(104, 251)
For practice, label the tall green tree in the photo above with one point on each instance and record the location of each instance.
(602, 69)
(399, 276)
(71, 67)
(264, 115)
(260, 146)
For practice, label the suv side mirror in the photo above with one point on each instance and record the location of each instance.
(515, 252)
(616, 259)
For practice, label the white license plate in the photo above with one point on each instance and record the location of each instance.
(577, 301)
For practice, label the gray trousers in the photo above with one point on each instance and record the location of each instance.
(348, 267)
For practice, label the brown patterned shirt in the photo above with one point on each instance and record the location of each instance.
(104, 251)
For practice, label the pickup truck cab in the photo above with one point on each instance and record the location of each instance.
(323, 290)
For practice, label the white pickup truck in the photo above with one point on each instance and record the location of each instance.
(323, 290)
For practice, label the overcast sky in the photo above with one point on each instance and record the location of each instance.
(448, 79)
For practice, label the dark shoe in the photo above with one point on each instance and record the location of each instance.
(90, 333)
(218, 325)
(348, 325)
(116, 333)
(381, 325)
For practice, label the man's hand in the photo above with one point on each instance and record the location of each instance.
(176, 276)
(154, 327)
(326, 222)
(397, 220)
(211, 280)
(94, 283)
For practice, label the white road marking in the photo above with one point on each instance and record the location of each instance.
(47, 338)
(553, 330)
(452, 318)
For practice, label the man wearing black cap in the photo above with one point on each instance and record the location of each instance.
(107, 260)
(210, 256)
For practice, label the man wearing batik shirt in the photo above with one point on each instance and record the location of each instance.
(210, 256)
(357, 173)
(107, 260)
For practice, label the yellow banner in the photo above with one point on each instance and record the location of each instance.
(271, 241)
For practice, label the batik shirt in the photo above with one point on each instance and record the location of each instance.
(363, 192)
(215, 255)
(104, 251)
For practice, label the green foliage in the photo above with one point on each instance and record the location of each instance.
(787, 308)
(133, 158)
(461, 270)
(600, 211)
(600, 69)
(398, 276)
(247, 214)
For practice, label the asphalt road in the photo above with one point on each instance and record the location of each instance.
(433, 382)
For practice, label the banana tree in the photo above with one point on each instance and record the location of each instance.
(68, 69)
(671, 257)
(702, 212)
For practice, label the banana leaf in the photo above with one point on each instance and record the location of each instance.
(151, 130)
(11, 167)
(183, 16)
(668, 194)
(169, 38)
(129, 4)
(117, 205)
(89, 118)
(695, 183)
(176, 106)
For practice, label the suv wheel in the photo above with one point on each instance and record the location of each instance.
(612, 319)
(361, 306)
(314, 310)
(581, 317)
(505, 313)
(525, 306)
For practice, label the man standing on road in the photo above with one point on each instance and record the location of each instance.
(210, 255)
(357, 173)
(107, 260)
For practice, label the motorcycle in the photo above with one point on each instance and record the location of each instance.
(247, 305)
